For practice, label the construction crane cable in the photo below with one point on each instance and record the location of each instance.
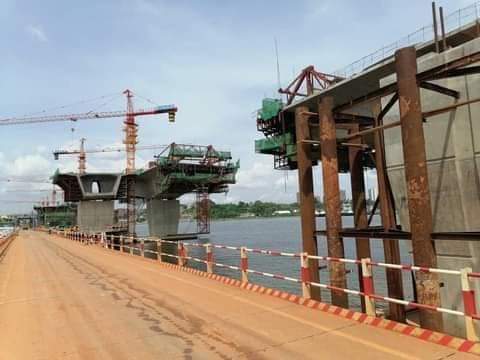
(73, 104)
(146, 99)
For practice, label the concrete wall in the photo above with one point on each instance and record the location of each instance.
(95, 215)
(163, 217)
(453, 155)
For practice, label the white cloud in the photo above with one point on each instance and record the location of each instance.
(37, 33)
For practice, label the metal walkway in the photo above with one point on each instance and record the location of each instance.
(60, 299)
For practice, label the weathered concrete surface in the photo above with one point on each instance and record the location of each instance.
(163, 217)
(453, 160)
(95, 216)
(62, 300)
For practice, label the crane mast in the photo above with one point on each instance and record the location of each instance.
(130, 144)
(82, 158)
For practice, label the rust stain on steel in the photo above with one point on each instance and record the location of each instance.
(360, 217)
(307, 199)
(331, 190)
(418, 192)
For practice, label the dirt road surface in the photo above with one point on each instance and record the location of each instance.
(63, 300)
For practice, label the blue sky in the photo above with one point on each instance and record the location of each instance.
(214, 59)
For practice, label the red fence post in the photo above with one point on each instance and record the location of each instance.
(181, 254)
(244, 264)
(368, 288)
(468, 305)
(305, 274)
(208, 249)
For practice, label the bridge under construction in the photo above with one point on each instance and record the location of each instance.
(178, 170)
(407, 111)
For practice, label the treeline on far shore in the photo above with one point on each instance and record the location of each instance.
(244, 210)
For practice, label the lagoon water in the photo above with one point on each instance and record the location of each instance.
(282, 234)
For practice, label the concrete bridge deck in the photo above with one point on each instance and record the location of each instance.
(63, 300)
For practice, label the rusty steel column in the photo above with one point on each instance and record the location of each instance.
(418, 191)
(306, 195)
(331, 194)
(355, 157)
(391, 247)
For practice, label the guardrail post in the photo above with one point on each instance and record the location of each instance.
(159, 250)
(131, 245)
(305, 274)
(244, 264)
(121, 243)
(468, 305)
(142, 247)
(181, 254)
(208, 249)
(368, 288)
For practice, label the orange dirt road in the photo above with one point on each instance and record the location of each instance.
(63, 300)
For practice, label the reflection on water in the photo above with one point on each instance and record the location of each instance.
(282, 234)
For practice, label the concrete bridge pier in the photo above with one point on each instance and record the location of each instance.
(163, 217)
(95, 215)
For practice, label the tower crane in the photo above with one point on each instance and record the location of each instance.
(130, 141)
(82, 152)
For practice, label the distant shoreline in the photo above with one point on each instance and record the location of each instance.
(261, 217)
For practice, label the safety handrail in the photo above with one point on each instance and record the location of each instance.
(368, 293)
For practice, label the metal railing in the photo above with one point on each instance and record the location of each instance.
(453, 21)
(466, 275)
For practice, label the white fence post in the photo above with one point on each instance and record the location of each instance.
(468, 304)
(244, 264)
(208, 249)
(368, 288)
(305, 274)
(159, 250)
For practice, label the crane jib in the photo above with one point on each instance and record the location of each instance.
(85, 116)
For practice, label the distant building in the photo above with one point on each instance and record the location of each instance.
(282, 212)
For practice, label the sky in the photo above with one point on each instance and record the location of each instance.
(214, 59)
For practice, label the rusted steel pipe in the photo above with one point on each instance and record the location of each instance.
(331, 191)
(307, 199)
(418, 191)
(442, 28)
(425, 115)
(435, 27)
(441, 110)
(355, 158)
(391, 248)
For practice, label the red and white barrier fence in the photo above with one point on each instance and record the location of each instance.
(466, 275)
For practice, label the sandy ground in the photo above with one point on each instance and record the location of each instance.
(63, 300)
